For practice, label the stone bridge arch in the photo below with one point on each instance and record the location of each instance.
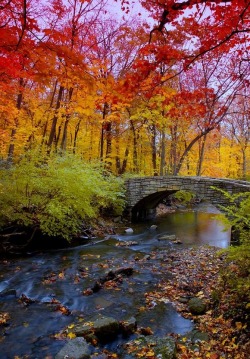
(145, 193)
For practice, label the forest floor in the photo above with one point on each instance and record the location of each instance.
(197, 273)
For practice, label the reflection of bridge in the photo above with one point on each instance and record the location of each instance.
(145, 193)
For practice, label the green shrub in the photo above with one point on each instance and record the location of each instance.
(56, 194)
(236, 275)
(183, 196)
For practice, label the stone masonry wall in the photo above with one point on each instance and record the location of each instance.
(139, 188)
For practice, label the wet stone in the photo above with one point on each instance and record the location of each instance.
(104, 328)
(197, 306)
(128, 327)
(169, 237)
(76, 348)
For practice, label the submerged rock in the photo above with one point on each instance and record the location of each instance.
(197, 306)
(76, 348)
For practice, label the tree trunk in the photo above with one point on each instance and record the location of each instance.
(124, 162)
(108, 139)
(45, 127)
(65, 127)
(77, 128)
(163, 153)
(135, 155)
(152, 129)
(52, 136)
(173, 150)
(189, 147)
(201, 155)
(244, 164)
(13, 131)
(104, 113)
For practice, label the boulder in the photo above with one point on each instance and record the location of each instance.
(76, 348)
(104, 329)
(197, 306)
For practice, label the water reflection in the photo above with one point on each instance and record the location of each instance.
(201, 226)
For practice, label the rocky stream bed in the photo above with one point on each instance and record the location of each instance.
(147, 295)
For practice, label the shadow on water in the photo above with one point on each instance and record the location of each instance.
(63, 275)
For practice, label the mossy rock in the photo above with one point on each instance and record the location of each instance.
(197, 306)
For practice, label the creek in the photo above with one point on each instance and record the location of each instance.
(51, 283)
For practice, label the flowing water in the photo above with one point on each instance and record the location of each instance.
(55, 281)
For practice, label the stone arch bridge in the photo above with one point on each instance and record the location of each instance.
(145, 193)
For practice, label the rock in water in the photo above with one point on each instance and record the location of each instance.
(76, 348)
(169, 237)
(103, 328)
(129, 230)
(153, 227)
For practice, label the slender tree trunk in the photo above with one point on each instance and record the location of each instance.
(77, 128)
(152, 130)
(52, 136)
(64, 135)
(201, 155)
(50, 106)
(124, 162)
(65, 127)
(135, 154)
(173, 150)
(104, 124)
(13, 131)
(57, 136)
(163, 153)
(244, 163)
(189, 147)
(108, 139)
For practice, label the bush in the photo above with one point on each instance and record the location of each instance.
(184, 197)
(236, 276)
(56, 194)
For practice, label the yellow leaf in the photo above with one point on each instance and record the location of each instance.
(61, 275)
(71, 326)
(238, 325)
(71, 335)
(150, 354)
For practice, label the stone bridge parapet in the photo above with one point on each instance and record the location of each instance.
(146, 193)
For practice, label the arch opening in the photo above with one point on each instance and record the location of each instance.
(146, 207)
